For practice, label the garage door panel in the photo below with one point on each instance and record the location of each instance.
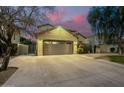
(58, 48)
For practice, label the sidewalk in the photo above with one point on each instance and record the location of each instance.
(93, 55)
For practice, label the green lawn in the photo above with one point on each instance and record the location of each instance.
(113, 58)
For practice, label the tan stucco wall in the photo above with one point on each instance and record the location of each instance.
(22, 49)
(57, 34)
(106, 48)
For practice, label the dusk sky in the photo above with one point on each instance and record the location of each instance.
(72, 17)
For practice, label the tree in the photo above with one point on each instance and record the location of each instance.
(121, 30)
(14, 19)
(110, 24)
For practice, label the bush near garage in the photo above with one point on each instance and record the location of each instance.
(83, 49)
(80, 50)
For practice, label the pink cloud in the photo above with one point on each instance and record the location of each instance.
(78, 23)
(79, 19)
(56, 16)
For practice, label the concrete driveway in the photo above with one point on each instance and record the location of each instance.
(65, 71)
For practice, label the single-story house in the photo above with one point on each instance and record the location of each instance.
(22, 49)
(56, 41)
(98, 46)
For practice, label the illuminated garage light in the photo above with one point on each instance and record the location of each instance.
(54, 42)
(46, 42)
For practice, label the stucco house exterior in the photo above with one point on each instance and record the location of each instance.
(21, 48)
(98, 46)
(56, 41)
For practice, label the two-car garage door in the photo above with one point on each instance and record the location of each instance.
(57, 47)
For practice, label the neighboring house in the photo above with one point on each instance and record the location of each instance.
(30, 43)
(56, 40)
(98, 46)
(21, 49)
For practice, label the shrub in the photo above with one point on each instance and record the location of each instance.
(112, 49)
(80, 50)
(86, 49)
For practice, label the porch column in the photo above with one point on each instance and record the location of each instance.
(74, 47)
(39, 47)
